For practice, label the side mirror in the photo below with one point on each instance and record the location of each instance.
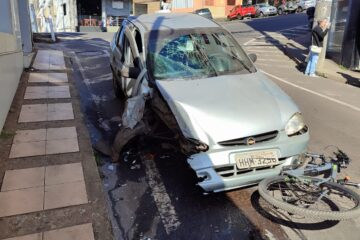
(253, 57)
(130, 72)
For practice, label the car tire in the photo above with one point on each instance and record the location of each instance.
(261, 15)
(280, 11)
(299, 9)
(117, 89)
(239, 17)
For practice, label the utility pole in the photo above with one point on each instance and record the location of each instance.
(322, 10)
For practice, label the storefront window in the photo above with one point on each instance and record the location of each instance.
(340, 9)
(231, 2)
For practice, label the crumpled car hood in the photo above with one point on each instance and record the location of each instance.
(227, 107)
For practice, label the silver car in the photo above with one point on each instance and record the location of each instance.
(264, 9)
(235, 125)
(305, 4)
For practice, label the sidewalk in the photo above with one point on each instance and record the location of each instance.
(50, 186)
(297, 49)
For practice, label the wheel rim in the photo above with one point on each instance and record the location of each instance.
(307, 196)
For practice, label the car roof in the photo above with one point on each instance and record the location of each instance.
(168, 21)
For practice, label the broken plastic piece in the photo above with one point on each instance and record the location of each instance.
(133, 112)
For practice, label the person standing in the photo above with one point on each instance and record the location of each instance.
(318, 34)
(166, 6)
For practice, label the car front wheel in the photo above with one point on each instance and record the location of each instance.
(239, 17)
(261, 14)
(299, 10)
(280, 11)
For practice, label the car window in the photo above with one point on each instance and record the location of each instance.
(127, 56)
(200, 54)
(138, 41)
(120, 39)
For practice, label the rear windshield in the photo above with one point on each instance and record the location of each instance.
(192, 54)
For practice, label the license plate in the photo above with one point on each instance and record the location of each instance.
(256, 159)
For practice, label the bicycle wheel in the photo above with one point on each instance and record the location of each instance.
(328, 201)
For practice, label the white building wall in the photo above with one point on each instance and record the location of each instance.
(11, 55)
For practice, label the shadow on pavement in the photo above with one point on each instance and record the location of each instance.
(350, 79)
(265, 26)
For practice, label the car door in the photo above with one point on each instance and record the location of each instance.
(133, 57)
(128, 61)
(117, 53)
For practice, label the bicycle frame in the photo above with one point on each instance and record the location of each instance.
(309, 170)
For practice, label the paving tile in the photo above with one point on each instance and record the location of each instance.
(57, 66)
(32, 117)
(62, 146)
(38, 108)
(57, 77)
(36, 236)
(46, 112)
(56, 116)
(60, 111)
(21, 201)
(38, 77)
(63, 195)
(79, 232)
(47, 92)
(23, 178)
(36, 135)
(61, 133)
(41, 89)
(59, 92)
(60, 95)
(49, 60)
(36, 92)
(65, 173)
(58, 89)
(35, 95)
(27, 149)
(33, 113)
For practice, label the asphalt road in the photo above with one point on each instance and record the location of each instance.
(157, 199)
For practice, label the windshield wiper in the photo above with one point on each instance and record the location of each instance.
(232, 54)
(203, 54)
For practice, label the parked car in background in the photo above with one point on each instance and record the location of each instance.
(305, 4)
(288, 7)
(235, 125)
(264, 9)
(241, 11)
(204, 12)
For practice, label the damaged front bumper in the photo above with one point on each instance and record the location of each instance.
(217, 171)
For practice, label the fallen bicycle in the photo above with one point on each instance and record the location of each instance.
(300, 190)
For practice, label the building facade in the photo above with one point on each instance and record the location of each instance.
(344, 34)
(218, 8)
(12, 56)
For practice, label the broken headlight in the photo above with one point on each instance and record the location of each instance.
(295, 125)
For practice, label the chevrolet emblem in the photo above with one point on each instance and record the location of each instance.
(250, 141)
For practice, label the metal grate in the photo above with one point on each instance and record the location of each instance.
(243, 141)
